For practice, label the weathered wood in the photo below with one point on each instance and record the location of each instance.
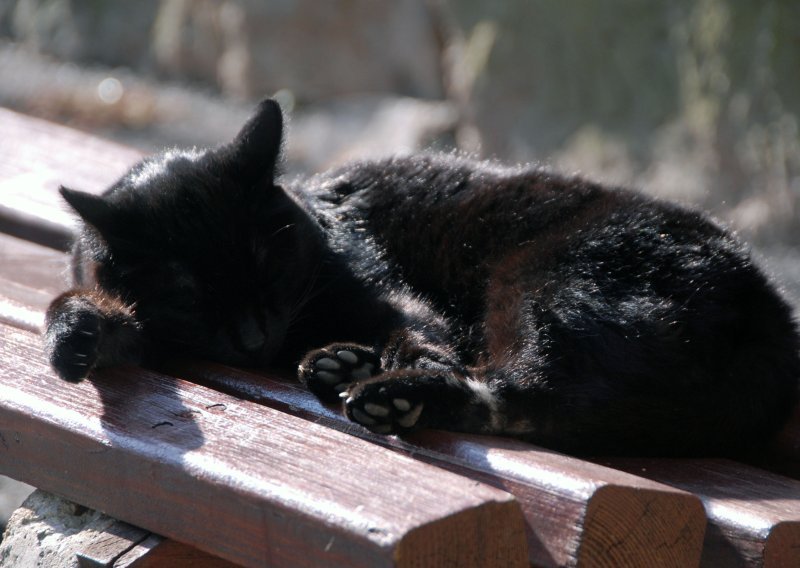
(577, 513)
(171, 456)
(35, 158)
(122, 545)
(753, 515)
(101, 550)
(159, 552)
(30, 276)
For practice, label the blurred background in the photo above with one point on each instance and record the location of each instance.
(692, 100)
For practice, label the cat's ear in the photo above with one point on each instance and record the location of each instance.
(93, 209)
(253, 154)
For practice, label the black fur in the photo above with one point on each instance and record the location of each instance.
(437, 291)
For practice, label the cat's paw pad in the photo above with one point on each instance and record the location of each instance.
(329, 372)
(381, 408)
(73, 341)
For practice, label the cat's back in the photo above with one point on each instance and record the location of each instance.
(468, 196)
(480, 209)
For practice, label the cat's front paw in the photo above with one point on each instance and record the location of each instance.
(329, 372)
(72, 337)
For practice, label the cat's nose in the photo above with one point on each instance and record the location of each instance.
(251, 335)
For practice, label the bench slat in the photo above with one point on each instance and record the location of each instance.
(103, 549)
(30, 277)
(158, 552)
(36, 157)
(577, 513)
(754, 516)
(241, 481)
(122, 545)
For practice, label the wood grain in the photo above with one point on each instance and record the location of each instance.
(241, 481)
(35, 158)
(754, 516)
(30, 277)
(569, 505)
(124, 546)
(577, 513)
(101, 550)
(159, 552)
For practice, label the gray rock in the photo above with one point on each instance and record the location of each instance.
(47, 531)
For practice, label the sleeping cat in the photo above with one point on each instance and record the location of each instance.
(436, 291)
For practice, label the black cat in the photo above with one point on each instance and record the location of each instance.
(437, 291)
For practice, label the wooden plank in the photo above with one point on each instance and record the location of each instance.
(577, 513)
(124, 546)
(168, 456)
(159, 552)
(754, 516)
(101, 550)
(35, 158)
(30, 276)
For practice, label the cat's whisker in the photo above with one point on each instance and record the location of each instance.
(284, 228)
(310, 291)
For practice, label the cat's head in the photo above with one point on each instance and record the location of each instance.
(213, 255)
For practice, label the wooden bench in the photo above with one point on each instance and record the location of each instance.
(248, 467)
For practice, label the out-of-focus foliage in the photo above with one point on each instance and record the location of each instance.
(691, 99)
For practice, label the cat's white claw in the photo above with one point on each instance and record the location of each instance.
(85, 332)
(411, 418)
(376, 410)
(345, 394)
(329, 378)
(347, 357)
(328, 364)
(363, 372)
(401, 404)
(363, 418)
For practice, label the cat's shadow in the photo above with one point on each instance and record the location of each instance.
(144, 411)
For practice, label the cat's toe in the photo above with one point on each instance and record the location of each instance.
(329, 372)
